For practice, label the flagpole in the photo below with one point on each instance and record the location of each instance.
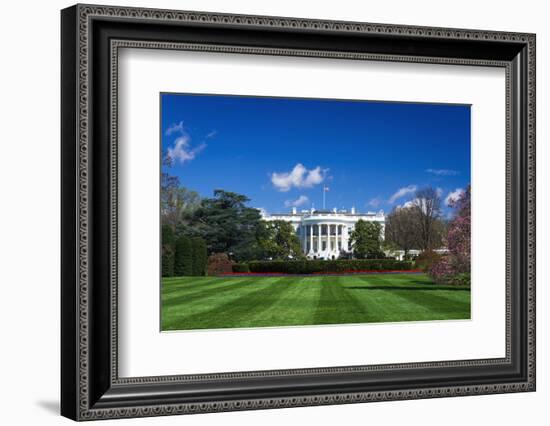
(325, 189)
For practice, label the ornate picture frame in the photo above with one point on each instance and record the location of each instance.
(91, 37)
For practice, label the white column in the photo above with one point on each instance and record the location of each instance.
(304, 231)
(337, 251)
(328, 238)
(319, 246)
(345, 237)
(310, 238)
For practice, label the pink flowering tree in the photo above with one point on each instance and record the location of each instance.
(455, 266)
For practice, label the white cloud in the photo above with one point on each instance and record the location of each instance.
(443, 172)
(375, 202)
(211, 134)
(298, 177)
(300, 201)
(439, 191)
(401, 192)
(175, 128)
(182, 151)
(453, 196)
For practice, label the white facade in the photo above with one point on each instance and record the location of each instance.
(325, 234)
(400, 254)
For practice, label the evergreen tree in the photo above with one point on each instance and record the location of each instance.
(183, 262)
(167, 251)
(200, 256)
(226, 224)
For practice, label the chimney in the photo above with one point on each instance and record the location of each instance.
(293, 210)
(353, 210)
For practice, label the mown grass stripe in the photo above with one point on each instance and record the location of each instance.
(189, 283)
(176, 296)
(341, 306)
(432, 302)
(230, 302)
(377, 308)
(193, 301)
(220, 312)
(295, 306)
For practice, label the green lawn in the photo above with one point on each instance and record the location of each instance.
(229, 302)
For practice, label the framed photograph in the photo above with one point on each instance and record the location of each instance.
(263, 212)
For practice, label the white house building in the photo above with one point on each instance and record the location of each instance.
(325, 234)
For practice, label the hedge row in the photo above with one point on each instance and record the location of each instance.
(322, 266)
(182, 256)
(240, 268)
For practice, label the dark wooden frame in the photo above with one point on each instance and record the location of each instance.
(90, 386)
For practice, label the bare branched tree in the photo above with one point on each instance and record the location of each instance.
(402, 230)
(427, 208)
(175, 199)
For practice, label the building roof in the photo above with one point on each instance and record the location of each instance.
(326, 212)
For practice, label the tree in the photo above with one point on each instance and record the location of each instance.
(175, 199)
(200, 256)
(183, 261)
(365, 239)
(455, 266)
(226, 224)
(427, 208)
(167, 251)
(459, 234)
(280, 241)
(402, 229)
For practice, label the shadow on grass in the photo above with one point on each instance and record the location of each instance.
(380, 287)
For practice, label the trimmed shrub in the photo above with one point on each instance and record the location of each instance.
(328, 266)
(167, 260)
(200, 256)
(241, 267)
(183, 262)
(427, 259)
(219, 263)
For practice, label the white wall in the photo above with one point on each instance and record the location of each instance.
(29, 225)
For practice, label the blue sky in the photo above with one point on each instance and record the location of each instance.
(280, 152)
